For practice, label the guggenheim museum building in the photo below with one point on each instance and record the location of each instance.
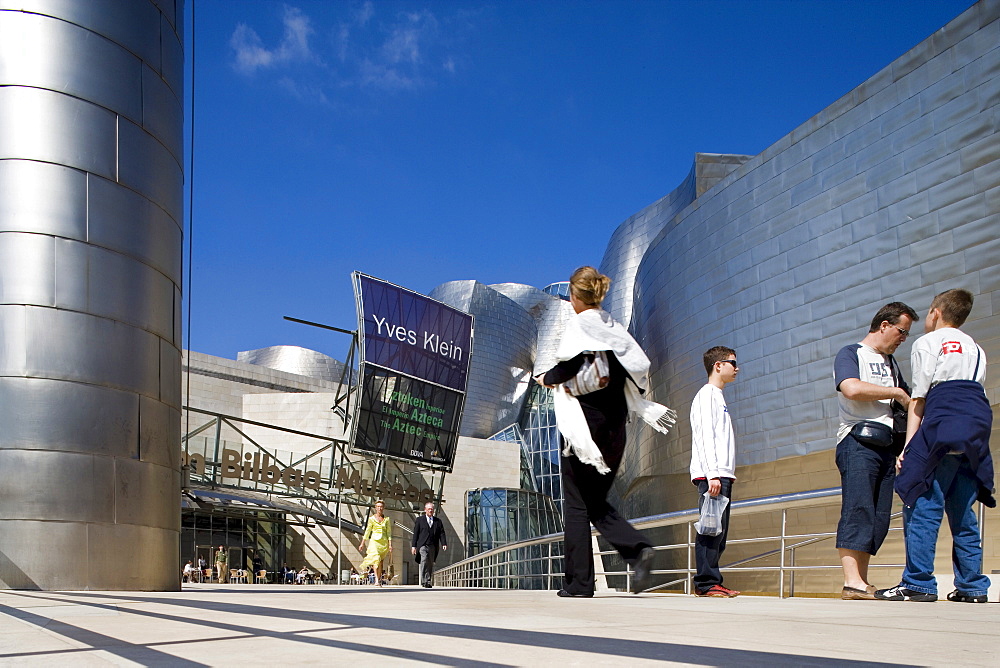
(892, 193)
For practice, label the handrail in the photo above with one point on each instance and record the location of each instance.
(499, 565)
(795, 500)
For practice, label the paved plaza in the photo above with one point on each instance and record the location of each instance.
(272, 625)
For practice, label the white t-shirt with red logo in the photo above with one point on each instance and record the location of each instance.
(945, 354)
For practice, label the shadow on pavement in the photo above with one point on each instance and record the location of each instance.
(608, 647)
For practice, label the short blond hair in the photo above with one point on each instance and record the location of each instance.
(589, 285)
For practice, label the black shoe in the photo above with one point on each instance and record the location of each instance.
(643, 565)
(901, 593)
(562, 593)
(959, 597)
(425, 586)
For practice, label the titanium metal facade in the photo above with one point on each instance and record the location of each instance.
(630, 241)
(293, 359)
(891, 193)
(502, 357)
(91, 180)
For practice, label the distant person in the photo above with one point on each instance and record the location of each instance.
(379, 530)
(258, 564)
(868, 380)
(947, 463)
(302, 576)
(428, 534)
(222, 563)
(188, 574)
(202, 564)
(713, 464)
(599, 379)
(287, 574)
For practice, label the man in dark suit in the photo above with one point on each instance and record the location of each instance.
(428, 533)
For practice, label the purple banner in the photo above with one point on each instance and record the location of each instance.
(413, 334)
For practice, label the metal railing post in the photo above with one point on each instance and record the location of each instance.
(688, 582)
(791, 574)
(549, 585)
(781, 567)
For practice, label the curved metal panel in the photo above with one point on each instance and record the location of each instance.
(72, 275)
(77, 487)
(173, 10)
(124, 221)
(44, 414)
(42, 125)
(172, 53)
(124, 289)
(27, 269)
(44, 198)
(100, 351)
(153, 555)
(502, 360)
(162, 115)
(550, 314)
(134, 25)
(13, 341)
(293, 359)
(170, 374)
(108, 203)
(178, 339)
(147, 167)
(136, 484)
(43, 555)
(159, 424)
(43, 52)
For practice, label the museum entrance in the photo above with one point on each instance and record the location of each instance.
(254, 539)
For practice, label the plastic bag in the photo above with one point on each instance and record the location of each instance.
(712, 507)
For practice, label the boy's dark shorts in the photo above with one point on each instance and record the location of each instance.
(866, 477)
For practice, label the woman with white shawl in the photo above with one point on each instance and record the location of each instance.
(593, 428)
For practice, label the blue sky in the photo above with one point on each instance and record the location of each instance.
(423, 142)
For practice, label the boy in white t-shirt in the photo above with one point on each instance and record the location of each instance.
(946, 464)
(713, 465)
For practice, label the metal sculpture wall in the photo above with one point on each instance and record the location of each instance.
(91, 178)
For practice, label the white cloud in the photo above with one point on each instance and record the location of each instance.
(251, 55)
(364, 50)
(364, 14)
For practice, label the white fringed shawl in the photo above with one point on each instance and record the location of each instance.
(594, 330)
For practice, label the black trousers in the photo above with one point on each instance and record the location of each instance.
(585, 502)
(708, 549)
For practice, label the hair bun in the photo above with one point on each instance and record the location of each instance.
(589, 285)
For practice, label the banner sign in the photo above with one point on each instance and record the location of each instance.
(413, 334)
(415, 354)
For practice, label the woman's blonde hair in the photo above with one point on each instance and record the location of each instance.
(589, 285)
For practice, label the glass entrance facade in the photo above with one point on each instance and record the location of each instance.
(246, 534)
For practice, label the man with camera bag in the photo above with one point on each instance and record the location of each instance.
(868, 381)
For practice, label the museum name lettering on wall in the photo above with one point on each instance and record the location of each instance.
(382, 490)
(258, 467)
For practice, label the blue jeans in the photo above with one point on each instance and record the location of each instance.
(952, 492)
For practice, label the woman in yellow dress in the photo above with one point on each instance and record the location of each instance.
(379, 530)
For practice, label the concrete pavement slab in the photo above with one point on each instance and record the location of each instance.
(266, 625)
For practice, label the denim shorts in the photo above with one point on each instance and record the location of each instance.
(866, 477)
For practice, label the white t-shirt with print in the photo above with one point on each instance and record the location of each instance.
(945, 354)
(869, 365)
